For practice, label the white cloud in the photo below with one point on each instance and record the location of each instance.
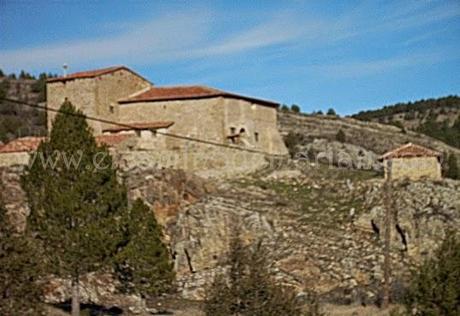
(366, 68)
(191, 35)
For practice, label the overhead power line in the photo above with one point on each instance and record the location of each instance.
(186, 138)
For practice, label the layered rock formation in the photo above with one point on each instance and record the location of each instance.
(322, 226)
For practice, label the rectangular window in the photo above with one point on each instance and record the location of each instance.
(256, 136)
(232, 131)
(112, 109)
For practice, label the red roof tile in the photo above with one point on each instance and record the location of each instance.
(28, 144)
(24, 144)
(188, 92)
(91, 74)
(139, 126)
(410, 150)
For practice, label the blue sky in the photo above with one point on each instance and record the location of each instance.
(349, 55)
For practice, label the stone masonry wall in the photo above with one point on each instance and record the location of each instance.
(414, 168)
(94, 96)
(114, 86)
(80, 92)
(11, 159)
(211, 119)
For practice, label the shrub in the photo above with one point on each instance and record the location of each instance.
(331, 112)
(452, 167)
(434, 288)
(291, 141)
(295, 108)
(248, 289)
(340, 137)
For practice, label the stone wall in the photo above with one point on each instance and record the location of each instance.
(413, 168)
(80, 92)
(94, 96)
(204, 160)
(15, 158)
(212, 119)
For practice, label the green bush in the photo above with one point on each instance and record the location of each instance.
(340, 137)
(331, 112)
(295, 108)
(452, 167)
(248, 289)
(435, 288)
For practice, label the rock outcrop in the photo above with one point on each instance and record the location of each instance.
(374, 137)
(321, 225)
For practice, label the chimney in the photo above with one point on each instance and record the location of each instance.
(64, 70)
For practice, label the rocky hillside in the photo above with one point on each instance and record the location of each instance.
(319, 133)
(413, 114)
(322, 225)
(438, 118)
(19, 120)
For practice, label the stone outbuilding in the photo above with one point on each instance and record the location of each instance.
(412, 162)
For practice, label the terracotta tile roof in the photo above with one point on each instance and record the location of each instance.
(24, 144)
(188, 92)
(410, 150)
(92, 74)
(140, 126)
(28, 144)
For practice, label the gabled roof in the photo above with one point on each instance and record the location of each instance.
(92, 74)
(410, 150)
(188, 92)
(31, 143)
(139, 126)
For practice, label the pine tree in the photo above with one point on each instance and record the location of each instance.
(435, 287)
(143, 264)
(19, 272)
(331, 112)
(248, 289)
(295, 108)
(75, 200)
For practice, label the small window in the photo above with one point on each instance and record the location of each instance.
(232, 131)
(112, 109)
(242, 131)
(256, 136)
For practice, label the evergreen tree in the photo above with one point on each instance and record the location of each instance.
(435, 287)
(295, 108)
(19, 271)
(248, 288)
(331, 112)
(75, 200)
(143, 264)
(284, 108)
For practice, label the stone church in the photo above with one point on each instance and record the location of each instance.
(121, 95)
(161, 119)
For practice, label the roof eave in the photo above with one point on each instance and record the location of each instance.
(253, 100)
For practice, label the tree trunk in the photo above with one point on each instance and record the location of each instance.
(75, 297)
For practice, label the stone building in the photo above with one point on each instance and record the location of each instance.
(412, 162)
(18, 151)
(119, 94)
